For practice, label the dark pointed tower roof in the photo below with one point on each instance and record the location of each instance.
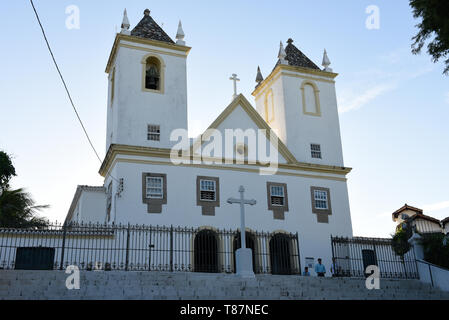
(296, 58)
(149, 29)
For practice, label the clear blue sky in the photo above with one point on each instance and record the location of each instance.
(394, 106)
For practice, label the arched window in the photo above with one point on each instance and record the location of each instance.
(310, 99)
(153, 73)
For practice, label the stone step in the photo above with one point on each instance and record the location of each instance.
(164, 285)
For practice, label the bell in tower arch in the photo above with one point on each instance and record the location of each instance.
(152, 77)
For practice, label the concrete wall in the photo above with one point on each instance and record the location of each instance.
(432, 274)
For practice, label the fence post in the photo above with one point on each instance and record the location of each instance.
(430, 273)
(333, 256)
(127, 249)
(171, 248)
(299, 256)
(64, 233)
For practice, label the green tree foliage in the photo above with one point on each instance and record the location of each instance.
(400, 242)
(434, 26)
(17, 207)
(436, 249)
(7, 170)
(17, 210)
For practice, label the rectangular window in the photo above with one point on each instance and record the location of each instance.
(208, 189)
(155, 187)
(316, 150)
(277, 195)
(154, 132)
(320, 198)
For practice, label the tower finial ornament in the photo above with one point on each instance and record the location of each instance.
(180, 35)
(125, 24)
(146, 12)
(326, 62)
(259, 77)
(282, 54)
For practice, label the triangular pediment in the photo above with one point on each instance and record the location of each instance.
(241, 119)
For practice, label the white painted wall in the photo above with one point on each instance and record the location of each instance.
(181, 208)
(91, 207)
(239, 119)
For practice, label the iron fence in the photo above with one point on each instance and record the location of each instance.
(353, 255)
(140, 248)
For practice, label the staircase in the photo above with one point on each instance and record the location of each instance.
(20, 284)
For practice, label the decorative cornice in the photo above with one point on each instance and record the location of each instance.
(116, 150)
(328, 76)
(119, 37)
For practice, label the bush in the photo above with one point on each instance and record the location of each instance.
(400, 242)
(436, 249)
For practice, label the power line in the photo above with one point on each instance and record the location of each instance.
(63, 82)
(66, 88)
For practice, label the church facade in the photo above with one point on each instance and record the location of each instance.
(152, 176)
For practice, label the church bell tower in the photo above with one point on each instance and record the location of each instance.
(298, 100)
(147, 97)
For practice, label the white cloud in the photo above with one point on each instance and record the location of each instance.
(358, 101)
(436, 206)
(394, 69)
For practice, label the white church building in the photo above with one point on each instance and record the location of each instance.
(285, 150)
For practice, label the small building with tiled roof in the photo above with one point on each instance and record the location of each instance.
(422, 222)
(407, 210)
(445, 224)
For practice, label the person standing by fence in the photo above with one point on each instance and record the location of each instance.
(320, 269)
(335, 269)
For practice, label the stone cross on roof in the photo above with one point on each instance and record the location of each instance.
(235, 79)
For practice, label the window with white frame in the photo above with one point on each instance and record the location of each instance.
(316, 150)
(320, 198)
(208, 190)
(154, 132)
(155, 187)
(277, 195)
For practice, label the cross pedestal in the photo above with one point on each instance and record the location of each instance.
(244, 263)
(243, 256)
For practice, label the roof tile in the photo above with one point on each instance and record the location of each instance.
(149, 29)
(295, 57)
